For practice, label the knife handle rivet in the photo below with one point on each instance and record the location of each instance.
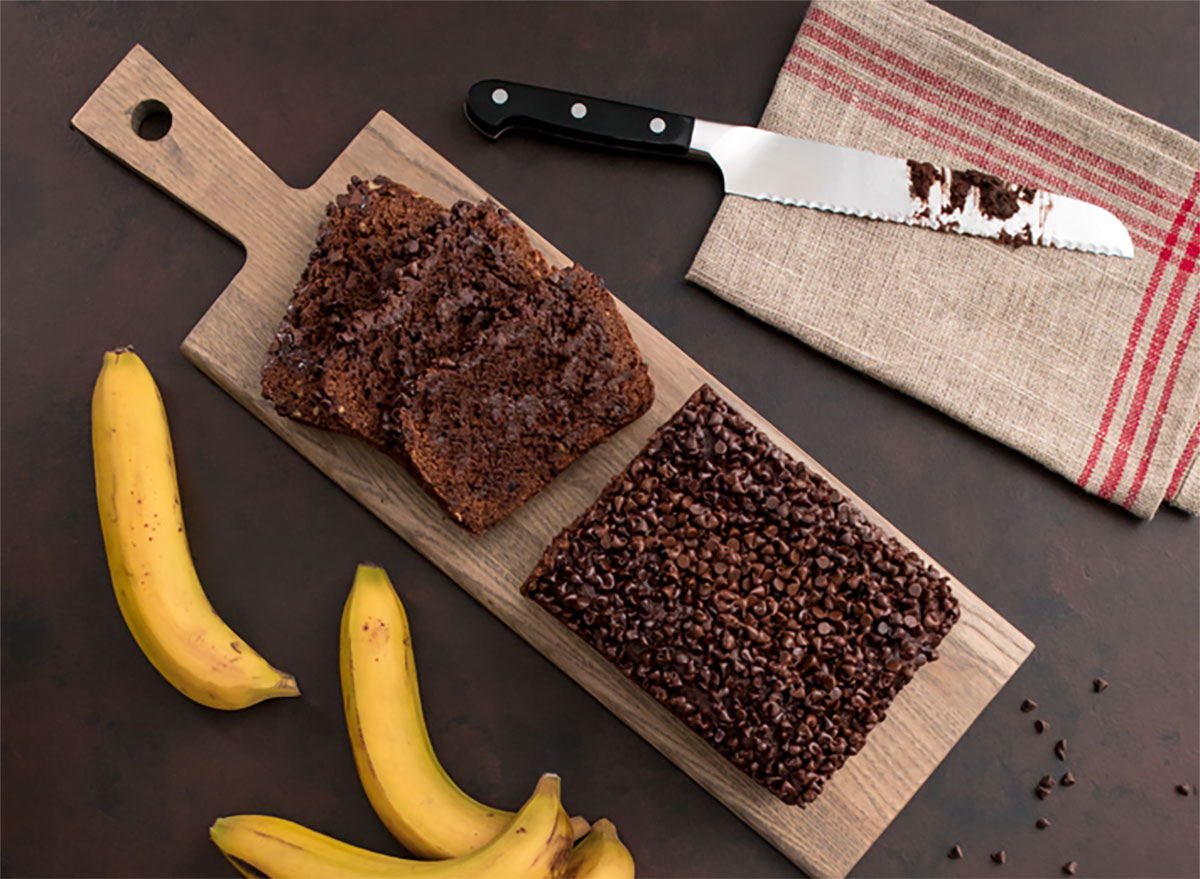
(579, 109)
(499, 96)
(657, 125)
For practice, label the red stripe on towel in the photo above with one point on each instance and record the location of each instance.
(1034, 171)
(1135, 333)
(1181, 468)
(1133, 417)
(1164, 399)
(818, 16)
(992, 125)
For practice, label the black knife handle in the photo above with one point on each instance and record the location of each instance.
(496, 105)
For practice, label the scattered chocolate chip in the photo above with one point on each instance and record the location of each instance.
(1099, 685)
(1069, 867)
(1042, 792)
(1046, 781)
(955, 853)
(1060, 749)
(1028, 705)
(1068, 779)
(999, 856)
(1183, 789)
(1041, 726)
(1042, 823)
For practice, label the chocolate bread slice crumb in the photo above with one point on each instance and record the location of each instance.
(487, 432)
(474, 269)
(442, 337)
(370, 232)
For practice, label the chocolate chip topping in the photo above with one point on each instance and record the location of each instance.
(1183, 789)
(955, 853)
(1041, 726)
(1099, 685)
(1070, 867)
(1060, 749)
(748, 596)
(1042, 823)
(1068, 779)
(999, 856)
(1028, 705)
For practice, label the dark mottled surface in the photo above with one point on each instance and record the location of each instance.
(107, 771)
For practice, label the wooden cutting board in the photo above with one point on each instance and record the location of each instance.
(201, 163)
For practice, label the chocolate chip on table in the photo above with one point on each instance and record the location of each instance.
(1041, 726)
(1099, 685)
(1060, 749)
(1042, 823)
(1183, 789)
(1068, 779)
(778, 630)
(1028, 705)
(1046, 781)
(999, 856)
(1042, 792)
(955, 853)
(1069, 867)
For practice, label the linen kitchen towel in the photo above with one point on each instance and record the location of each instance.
(1085, 363)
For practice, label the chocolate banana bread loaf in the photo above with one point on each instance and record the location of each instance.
(745, 594)
(443, 337)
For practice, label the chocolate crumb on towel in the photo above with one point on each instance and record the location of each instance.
(750, 598)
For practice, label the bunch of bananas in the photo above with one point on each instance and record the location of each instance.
(173, 622)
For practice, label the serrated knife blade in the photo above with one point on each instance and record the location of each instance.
(761, 164)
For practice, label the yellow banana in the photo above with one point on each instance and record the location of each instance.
(411, 792)
(413, 795)
(152, 572)
(534, 845)
(600, 855)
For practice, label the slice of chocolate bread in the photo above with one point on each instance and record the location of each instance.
(373, 230)
(490, 430)
(475, 268)
(444, 338)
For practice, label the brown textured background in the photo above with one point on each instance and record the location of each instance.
(108, 772)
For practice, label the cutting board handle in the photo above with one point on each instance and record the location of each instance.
(198, 160)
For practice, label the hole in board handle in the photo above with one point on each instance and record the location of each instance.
(151, 120)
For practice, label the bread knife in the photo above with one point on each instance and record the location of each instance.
(761, 164)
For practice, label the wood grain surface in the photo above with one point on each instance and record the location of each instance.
(201, 163)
